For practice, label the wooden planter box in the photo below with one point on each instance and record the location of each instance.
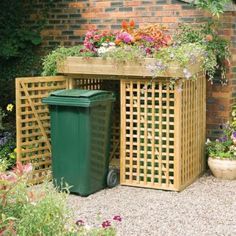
(99, 66)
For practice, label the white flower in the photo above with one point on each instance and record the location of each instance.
(101, 50)
(112, 44)
(208, 141)
(104, 44)
(110, 48)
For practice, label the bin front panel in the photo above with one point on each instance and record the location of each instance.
(147, 134)
(70, 149)
(80, 146)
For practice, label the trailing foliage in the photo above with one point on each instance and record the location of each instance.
(58, 55)
(125, 54)
(207, 36)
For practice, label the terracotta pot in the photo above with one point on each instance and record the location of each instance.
(222, 168)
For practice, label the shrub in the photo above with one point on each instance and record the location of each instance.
(31, 210)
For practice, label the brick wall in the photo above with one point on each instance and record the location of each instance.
(69, 20)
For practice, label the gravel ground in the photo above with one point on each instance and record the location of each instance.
(207, 207)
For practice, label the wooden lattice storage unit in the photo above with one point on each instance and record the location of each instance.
(162, 132)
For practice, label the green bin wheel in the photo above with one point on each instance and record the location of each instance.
(112, 178)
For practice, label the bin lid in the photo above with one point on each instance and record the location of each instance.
(78, 97)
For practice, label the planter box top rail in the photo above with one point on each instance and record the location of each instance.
(100, 66)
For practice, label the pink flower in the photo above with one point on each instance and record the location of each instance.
(106, 224)
(117, 218)
(125, 37)
(6, 179)
(89, 34)
(96, 37)
(23, 169)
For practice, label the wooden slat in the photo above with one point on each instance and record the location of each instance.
(99, 66)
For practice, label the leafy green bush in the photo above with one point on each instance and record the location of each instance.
(215, 7)
(28, 64)
(15, 35)
(19, 40)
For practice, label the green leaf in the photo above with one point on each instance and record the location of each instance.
(36, 40)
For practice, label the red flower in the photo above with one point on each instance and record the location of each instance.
(132, 24)
(124, 24)
(106, 224)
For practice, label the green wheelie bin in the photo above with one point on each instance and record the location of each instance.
(80, 137)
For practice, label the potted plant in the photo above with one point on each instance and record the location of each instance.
(222, 153)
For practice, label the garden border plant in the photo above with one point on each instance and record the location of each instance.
(40, 210)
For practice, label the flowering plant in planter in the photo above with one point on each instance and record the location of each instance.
(148, 39)
(222, 152)
(225, 146)
(132, 44)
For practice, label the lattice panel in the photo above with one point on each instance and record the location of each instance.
(162, 133)
(193, 129)
(88, 82)
(33, 122)
(147, 130)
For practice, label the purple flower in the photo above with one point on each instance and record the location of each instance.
(117, 218)
(148, 38)
(106, 224)
(223, 139)
(3, 141)
(79, 223)
(125, 37)
(234, 135)
(160, 66)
